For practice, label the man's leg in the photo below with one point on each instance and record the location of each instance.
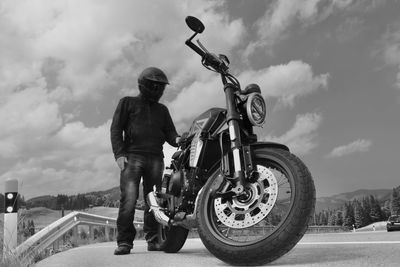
(129, 185)
(152, 176)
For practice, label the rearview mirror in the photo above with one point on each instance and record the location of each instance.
(195, 24)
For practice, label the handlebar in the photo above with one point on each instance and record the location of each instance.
(208, 59)
(195, 47)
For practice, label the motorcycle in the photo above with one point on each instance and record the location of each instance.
(250, 201)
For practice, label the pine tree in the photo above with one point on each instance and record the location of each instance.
(367, 210)
(339, 217)
(348, 217)
(324, 218)
(376, 213)
(395, 202)
(359, 215)
(332, 218)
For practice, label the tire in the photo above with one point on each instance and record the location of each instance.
(172, 239)
(231, 230)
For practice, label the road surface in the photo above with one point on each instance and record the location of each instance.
(339, 249)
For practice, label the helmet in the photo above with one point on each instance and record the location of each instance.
(153, 74)
(152, 82)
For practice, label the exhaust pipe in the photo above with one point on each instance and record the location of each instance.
(159, 215)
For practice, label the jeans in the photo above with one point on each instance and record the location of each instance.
(151, 168)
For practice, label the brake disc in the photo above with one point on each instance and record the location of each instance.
(253, 206)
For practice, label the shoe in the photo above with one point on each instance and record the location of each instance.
(122, 250)
(153, 247)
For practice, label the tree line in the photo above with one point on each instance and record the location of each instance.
(360, 212)
(74, 202)
(77, 202)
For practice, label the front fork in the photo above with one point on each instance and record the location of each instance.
(242, 161)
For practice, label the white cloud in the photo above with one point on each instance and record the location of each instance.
(62, 55)
(390, 48)
(287, 82)
(284, 82)
(28, 117)
(36, 178)
(275, 24)
(198, 97)
(100, 42)
(76, 159)
(360, 145)
(301, 137)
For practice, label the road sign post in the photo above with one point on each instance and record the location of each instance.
(10, 215)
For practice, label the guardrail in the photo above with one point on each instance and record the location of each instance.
(52, 233)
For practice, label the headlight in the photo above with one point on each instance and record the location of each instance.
(256, 109)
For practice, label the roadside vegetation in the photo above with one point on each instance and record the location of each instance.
(359, 213)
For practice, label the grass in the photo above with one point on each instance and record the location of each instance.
(379, 226)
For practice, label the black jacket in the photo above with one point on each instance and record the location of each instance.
(139, 126)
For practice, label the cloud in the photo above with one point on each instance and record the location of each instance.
(99, 42)
(281, 16)
(38, 178)
(350, 29)
(74, 160)
(196, 98)
(301, 137)
(286, 82)
(360, 145)
(389, 48)
(28, 118)
(65, 57)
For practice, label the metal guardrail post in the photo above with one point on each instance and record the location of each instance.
(107, 231)
(91, 232)
(10, 215)
(75, 232)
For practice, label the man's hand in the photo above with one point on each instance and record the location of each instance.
(181, 139)
(178, 140)
(121, 162)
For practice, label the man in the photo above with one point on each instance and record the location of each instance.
(139, 128)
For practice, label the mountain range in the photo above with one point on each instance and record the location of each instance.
(336, 201)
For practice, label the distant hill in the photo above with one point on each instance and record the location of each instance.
(336, 201)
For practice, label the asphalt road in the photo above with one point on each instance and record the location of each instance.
(378, 248)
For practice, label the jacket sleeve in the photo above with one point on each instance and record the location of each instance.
(117, 129)
(169, 130)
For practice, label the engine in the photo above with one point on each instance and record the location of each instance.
(181, 186)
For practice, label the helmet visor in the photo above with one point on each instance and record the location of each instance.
(152, 90)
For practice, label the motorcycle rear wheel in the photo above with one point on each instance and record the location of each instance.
(172, 238)
(277, 214)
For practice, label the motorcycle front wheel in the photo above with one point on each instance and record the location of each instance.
(266, 221)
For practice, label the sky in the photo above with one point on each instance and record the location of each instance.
(329, 71)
